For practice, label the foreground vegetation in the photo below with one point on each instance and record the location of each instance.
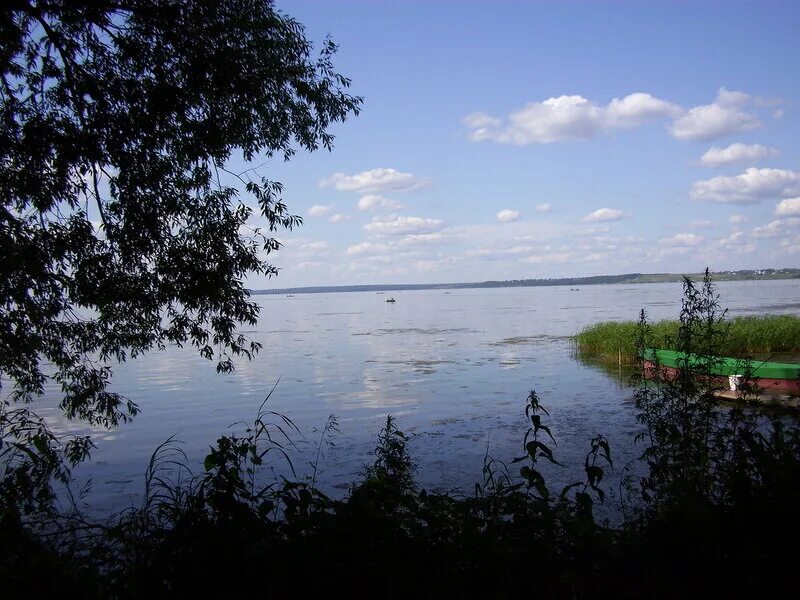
(743, 336)
(707, 511)
(128, 113)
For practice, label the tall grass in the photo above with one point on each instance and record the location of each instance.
(614, 341)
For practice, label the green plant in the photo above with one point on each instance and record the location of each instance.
(393, 466)
(535, 447)
(698, 454)
(615, 342)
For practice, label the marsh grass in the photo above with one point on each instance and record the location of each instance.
(616, 341)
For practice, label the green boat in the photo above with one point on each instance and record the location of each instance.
(766, 374)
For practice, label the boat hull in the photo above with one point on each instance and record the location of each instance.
(768, 384)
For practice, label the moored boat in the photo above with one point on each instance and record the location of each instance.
(768, 375)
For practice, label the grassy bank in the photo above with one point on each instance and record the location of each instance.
(612, 341)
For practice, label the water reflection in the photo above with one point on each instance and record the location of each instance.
(454, 368)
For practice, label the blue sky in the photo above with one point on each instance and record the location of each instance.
(509, 140)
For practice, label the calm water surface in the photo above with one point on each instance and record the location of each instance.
(453, 367)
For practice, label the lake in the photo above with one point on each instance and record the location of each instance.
(454, 367)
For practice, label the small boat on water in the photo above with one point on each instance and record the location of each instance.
(767, 375)
(390, 300)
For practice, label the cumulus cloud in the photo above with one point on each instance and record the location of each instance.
(683, 240)
(367, 248)
(338, 218)
(303, 249)
(604, 214)
(506, 215)
(375, 181)
(788, 207)
(752, 186)
(319, 210)
(773, 229)
(791, 245)
(395, 225)
(637, 109)
(722, 117)
(544, 207)
(736, 153)
(737, 219)
(734, 239)
(418, 239)
(376, 201)
(567, 118)
(313, 247)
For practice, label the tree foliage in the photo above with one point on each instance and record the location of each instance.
(122, 227)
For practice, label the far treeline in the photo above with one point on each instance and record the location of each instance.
(742, 275)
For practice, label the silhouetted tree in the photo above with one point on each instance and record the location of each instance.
(122, 227)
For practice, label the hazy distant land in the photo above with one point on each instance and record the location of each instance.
(742, 275)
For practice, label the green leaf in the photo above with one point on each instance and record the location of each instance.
(210, 462)
(567, 488)
(535, 445)
(595, 475)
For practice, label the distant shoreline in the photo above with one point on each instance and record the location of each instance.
(742, 275)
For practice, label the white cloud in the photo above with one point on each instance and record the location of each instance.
(376, 201)
(637, 109)
(788, 207)
(481, 125)
(338, 218)
(506, 215)
(683, 240)
(304, 250)
(750, 187)
(315, 246)
(604, 214)
(543, 208)
(307, 264)
(395, 225)
(737, 237)
(731, 98)
(738, 243)
(319, 210)
(419, 239)
(737, 219)
(375, 181)
(567, 118)
(394, 247)
(367, 248)
(736, 153)
(791, 245)
(711, 121)
(772, 229)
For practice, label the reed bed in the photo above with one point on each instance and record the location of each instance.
(616, 341)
